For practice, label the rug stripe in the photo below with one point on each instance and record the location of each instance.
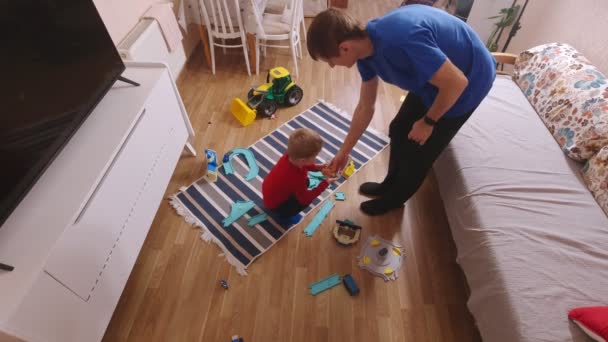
(338, 120)
(363, 148)
(217, 216)
(262, 239)
(276, 232)
(381, 140)
(210, 227)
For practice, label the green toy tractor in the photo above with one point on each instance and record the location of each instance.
(264, 99)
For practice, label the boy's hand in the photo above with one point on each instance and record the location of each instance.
(329, 175)
(420, 132)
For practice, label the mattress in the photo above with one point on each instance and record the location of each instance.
(531, 239)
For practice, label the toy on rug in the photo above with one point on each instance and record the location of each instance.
(334, 280)
(381, 257)
(211, 156)
(238, 209)
(264, 99)
(254, 169)
(257, 219)
(346, 232)
(314, 179)
(318, 219)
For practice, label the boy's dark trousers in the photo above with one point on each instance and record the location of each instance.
(289, 208)
(410, 162)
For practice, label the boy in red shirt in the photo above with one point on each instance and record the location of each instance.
(285, 189)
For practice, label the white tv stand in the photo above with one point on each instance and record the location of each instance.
(75, 237)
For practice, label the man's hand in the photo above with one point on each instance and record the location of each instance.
(338, 163)
(420, 132)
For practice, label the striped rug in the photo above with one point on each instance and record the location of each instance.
(205, 204)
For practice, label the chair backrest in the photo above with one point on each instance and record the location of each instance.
(222, 17)
(294, 7)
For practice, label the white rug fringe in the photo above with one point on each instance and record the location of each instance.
(206, 235)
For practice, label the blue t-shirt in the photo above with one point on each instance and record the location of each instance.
(412, 42)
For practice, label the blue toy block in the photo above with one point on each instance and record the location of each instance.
(351, 285)
(340, 196)
(257, 219)
(324, 284)
(318, 219)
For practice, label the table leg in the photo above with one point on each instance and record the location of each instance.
(252, 52)
(205, 41)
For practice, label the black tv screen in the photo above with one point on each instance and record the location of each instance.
(57, 62)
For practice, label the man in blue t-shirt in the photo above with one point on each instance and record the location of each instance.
(436, 57)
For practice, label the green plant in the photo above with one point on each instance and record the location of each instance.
(506, 17)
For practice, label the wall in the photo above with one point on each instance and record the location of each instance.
(482, 9)
(120, 16)
(580, 23)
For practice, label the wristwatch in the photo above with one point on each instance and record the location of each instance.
(429, 121)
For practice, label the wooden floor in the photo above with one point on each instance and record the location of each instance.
(173, 292)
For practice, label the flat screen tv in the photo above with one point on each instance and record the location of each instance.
(57, 61)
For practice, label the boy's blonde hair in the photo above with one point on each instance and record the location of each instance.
(330, 28)
(304, 143)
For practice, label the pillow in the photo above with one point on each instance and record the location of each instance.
(569, 94)
(595, 175)
(592, 320)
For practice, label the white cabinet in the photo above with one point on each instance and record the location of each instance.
(75, 237)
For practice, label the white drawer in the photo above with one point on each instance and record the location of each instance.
(122, 197)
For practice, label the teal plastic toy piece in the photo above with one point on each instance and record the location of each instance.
(318, 219)
(314, 179)
(257, 219)
(340, 196)
(253, 166)
(324, 284)
(238, 209)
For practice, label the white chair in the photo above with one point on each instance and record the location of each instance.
(223, 21)
(280, 10)
(268, 29)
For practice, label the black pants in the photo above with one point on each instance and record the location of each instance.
(289, 208)
(410, 162)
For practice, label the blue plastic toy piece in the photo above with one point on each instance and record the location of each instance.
(351, 285)
(224, 284)
(257, 219)
(238, 209)
(253, 166)
(324, 284)
(314, 179)
(236, 338)
(318, 219)
(340, 196)
(228, 168)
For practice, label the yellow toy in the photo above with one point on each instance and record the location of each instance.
(264, 99)
(349, 170)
